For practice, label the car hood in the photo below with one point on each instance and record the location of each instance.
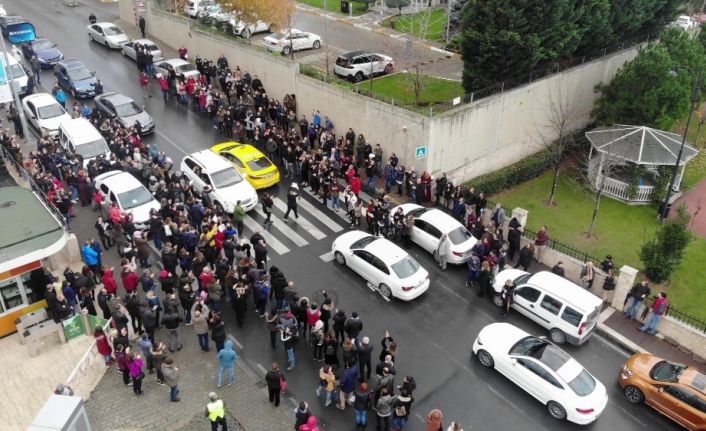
(85, 84)
(344, 241)
(504, 275)
(237, 192)
(194, 73)
(53, 123)
(642, 363)
(48, 54)
(143, 117)
(270, 39)
(500, 337)
(142, 213)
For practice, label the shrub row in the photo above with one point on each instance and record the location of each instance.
(510, 176)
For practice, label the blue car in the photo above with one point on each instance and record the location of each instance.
(75, 78)
(47, 52)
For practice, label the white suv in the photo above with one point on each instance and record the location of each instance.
(358, 65)
(206, 168)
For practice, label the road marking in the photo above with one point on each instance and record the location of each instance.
(323, 218)
(286, 230)
(166, 138)
(271, 241)
(261, 368)
(236, 342)
(362, 27)
(301, 220)
(327, 257)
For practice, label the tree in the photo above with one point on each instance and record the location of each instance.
(398, 4)
(278, 13)
(634, 17)
(605, 168)
(655, 88)
(558, 135)
(502, 38)
(662, 255)
(595, 26)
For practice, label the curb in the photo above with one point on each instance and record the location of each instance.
(613, 335)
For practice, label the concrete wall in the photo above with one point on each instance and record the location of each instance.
(468, 141)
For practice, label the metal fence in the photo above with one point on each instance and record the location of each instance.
(22, 172)
(685, 318)
(561, 247)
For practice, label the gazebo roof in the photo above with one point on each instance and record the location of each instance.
(640, 144)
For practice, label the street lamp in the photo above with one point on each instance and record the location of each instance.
(694, 100)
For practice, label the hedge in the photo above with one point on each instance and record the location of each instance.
(510, 176)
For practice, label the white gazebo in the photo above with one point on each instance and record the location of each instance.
(619, 145)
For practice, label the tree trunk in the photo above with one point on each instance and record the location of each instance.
(554, 183)
(599, 193)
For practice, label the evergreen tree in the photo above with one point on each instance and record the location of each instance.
(662, 255)
(595, 24)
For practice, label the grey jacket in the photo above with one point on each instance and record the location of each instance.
(171, 375)
(201, 322)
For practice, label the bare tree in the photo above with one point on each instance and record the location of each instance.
(558, 135)
(278, 13)
(420, 27)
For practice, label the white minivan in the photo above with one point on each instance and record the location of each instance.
(78, 136)
(206, 168)
(569, 312)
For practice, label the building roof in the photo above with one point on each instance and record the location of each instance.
(640, 144)
(30, 231)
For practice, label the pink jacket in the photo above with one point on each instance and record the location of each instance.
(135, 367)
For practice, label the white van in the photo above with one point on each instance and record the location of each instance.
(569, 312)
(17, 73)
(78, 136)
(206, 168)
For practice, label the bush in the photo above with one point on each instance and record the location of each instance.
(510, 176)
(662, 255)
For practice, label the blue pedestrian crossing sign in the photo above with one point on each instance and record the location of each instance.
(421, 152)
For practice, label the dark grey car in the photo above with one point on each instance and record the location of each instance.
(125, 110)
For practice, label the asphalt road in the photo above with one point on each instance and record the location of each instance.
(435, 332)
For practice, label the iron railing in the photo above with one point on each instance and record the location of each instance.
(564, 248)
(685, 318)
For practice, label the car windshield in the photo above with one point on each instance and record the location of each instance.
(529, 346)
(667, 371)
(522, 279)
(16, 71)
(363, 242)
(226, 177)
(188, 67)
(259, 164)
(39, 45)
(343, 62)
(79, 74)
(127, 109)
(112, 31)
(460, 235)
(151, 47)
(50, 111)
(135, 197)
(406, 267)
(583, 384)
(92, 149)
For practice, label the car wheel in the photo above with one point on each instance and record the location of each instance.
(557, 336)
(388, 69)
(385, 291)
(633, 394)
(358, 77)
(556, 410)
(497, 300)
(245, 33)
(286, 50)
(339, 258)
(485, 359)
(317, 44)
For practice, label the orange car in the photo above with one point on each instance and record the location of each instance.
(674, 390)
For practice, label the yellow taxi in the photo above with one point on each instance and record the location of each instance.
(250, 162)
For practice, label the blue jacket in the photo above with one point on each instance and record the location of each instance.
(349, 378)
(89, 255)
(227, 356)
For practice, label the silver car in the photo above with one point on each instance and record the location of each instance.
(130, 49)
(125, 110)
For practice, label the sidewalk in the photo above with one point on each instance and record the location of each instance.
(617, 328)
(694, 200)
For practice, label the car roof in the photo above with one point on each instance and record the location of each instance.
(210, 161)
(175, 61)
(115, 98)
(119, 181)
(106, 24)
(694, 379)
(353, 54)
(41, 99)
(386, 250)
(72, 63)
(143, 42)
(245, 152)
(563, 288)
(10, 19)
(76, 126)
(439, 219)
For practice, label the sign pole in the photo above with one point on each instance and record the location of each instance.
(15, 94)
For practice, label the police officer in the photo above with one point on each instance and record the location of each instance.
(216, 412)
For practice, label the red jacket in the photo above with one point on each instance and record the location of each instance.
(130, 280)
(109, 283)
(355, 185)
(103, 345)
(144, 80)
(163, 83)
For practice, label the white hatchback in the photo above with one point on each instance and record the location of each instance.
(542, 369)
(387, 268)
(430, 224)
(44, 113)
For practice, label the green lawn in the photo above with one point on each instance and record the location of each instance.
(428, 25)
(621, 230)
(400, 87)
(335, 5)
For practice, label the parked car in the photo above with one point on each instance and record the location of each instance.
(125, 110)
(675, 390)
(543, 370)
(179, 66)
(193, 7)
(15, 71)
(206, 168)
(44, 113)
(107, 34)
(129, 194)
(129, 49)
(6, 20)
(250, 162)
(386, 268)
(290, 40)
(47, 52)
(79, 136)
(244, 30)
(358, 65)
(430, 224)
(684, 22)
(567, 311)
(74, 77)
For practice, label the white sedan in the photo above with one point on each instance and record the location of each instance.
(292, 40)
(130, 49)
(430, 223)
(107, 34)
(44, 113)
(542, 369)
(244, 30)
(388, 269)
(179, 66)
